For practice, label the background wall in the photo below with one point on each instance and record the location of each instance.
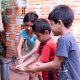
(1, 24)
(42, 8)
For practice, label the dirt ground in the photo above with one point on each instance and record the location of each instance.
(17, 75)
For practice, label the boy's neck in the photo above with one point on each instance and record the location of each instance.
(46, 40)
(64, 31)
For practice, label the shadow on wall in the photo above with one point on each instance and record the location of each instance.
(2, 44)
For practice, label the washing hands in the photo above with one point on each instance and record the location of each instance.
(33, 68)
(20, 68)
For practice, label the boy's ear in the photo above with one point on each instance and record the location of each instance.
(60, 22)
(46, 32)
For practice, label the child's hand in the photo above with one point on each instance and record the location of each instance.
(21, 59)
(38, 63)
(21, 68)
(32, 68)
(17, 66)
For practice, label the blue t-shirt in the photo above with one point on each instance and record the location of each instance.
(70, 67)
(30, 41)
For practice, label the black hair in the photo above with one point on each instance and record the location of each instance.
(30, 17)
(41, 25)
(63, 13)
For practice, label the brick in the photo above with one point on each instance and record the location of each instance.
(77, 17)
(8, 11)
(12, 36)
(45, 16)
(52, 1)
(45, 10)
(73, 7)
(17, 28)
(12, 19)
(64, 1)
(11, 51)
(76, 21)
(30, 10)
(16, 43)
(31, 6)
(19, 11)
(75, 30)
(8, 43)
(38, 2)
(8, 27)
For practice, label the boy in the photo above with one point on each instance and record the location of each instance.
(47, 48)
(67, 52)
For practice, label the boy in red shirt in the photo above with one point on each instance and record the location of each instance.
(47, 47)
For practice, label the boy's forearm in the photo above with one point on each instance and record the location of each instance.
(33, 51)
(44, 67)
(30, 53)
(31, 60)
(55, 64)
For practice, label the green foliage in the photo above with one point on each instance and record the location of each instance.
(3, 8)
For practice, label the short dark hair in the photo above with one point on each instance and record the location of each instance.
(30, 17)
(63, 13)
(41, 25)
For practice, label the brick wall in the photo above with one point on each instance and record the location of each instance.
(43, 8)
(1, 25)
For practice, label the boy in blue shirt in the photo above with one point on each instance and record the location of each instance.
(67, 52)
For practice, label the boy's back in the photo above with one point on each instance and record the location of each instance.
(47, 53)
(68, 48)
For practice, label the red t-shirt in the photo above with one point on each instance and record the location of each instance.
(47, 53)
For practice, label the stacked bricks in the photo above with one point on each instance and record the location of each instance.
(13, 27)
(42, 8)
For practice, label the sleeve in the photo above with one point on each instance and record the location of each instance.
(45, 55)
(62, 47)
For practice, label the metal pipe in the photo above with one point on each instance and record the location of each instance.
(4, 69)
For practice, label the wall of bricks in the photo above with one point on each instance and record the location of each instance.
(42, 8)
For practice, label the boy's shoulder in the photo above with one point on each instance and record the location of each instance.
(67, 36)
(51, 43)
